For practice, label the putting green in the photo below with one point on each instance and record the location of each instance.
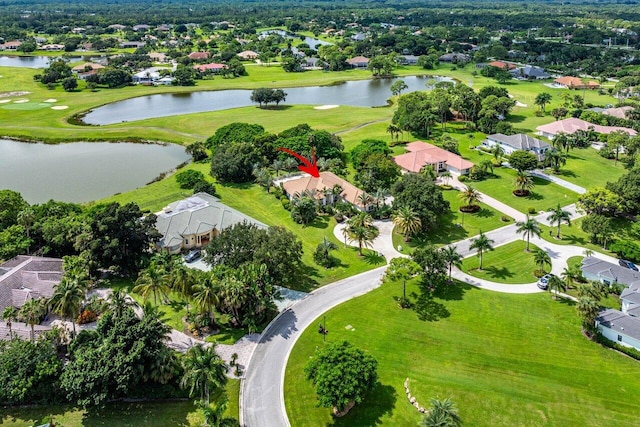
(26, 106)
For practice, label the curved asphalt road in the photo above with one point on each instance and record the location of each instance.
(262, 393)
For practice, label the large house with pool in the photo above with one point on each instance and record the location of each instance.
(194, 221)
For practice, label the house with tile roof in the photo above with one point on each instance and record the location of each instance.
(24, 278)
(520, 141)
(327, 189)
(248, 55)
(572, 125)
(358, 62)
(421, 154)
(194, 221)
(570, 82)
(213, 67)
(198, 55)
(619, 112)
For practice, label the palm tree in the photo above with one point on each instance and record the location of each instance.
(523, 183)
(152, 281)
(263, 177)
(360, 228)
(119, 302)
(393, 130)
(402, 269)
(446, 177)
(182, 279)
(556, 285)
(214, 414)
(486, 166)
(452, 258)
(204, 372)
(481, 244)
(67, 299)
(470, 196)
(542, 99)
(588, 308)
(25, 218)
(558, 216)
(429, 172)
(206, 295)
(497, 152)
(541, 258)
(365, 200)
(443, 413)
(380, 196)
(555, 158)
(232, 296)
(528, 228)
(407, 221)
(277, 166)
(10, 314)
(31, 312)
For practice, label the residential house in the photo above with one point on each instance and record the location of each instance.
(157, 56)
(630, 300)
(117, 27)
(608, 273)
(248, 55)
(358, 37)
(141, 27)
(619, 112)
(148, 76)
(619, 327)
(24, 278)
(502, 64)
(87, 66)
(194, 221)
(530, 72)
(312, 63)
(520, 141)
(359, 62)
(213, 68)
(421, 154)
(196, 56)
(12, 45)
(570, 82)
(572, 125)
(132, 45)
(165, 81)
(454, 57)
(409, 59)
(322, 189)
(52, 47)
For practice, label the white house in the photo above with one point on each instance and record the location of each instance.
(619, 327)
(194, 221)
(520, 141)
(608, 273)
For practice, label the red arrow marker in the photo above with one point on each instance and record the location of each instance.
(309, 167)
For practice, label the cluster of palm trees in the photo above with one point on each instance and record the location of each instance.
(359, 228)
(66, 301)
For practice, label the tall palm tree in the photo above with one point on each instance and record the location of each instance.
(232, 296)
(277, 166)
(556, 285)
(204, 372)
(153, 281)
(393, 130)
(182, 279)
(407, 221)
(443, 413)
(446, 177)
(555, 159)
(542, 99)
(481, 244)
(67, 299)
(119, 302)
(206, 295)
(528, 228)
(523, 183)
(559, 216)
(10, 314)
(541, 258)
(452, 257)
(365, 200)
(360, 228)
(429, 172)
(214, 413)
(25, 218)
(31, 312)
(380, 196)
(497, 151)
(470, 196)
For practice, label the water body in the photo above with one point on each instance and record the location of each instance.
(29, 61)
(311, 41)
(362, 93)
(81, 172)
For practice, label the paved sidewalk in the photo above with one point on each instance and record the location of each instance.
(561, 182)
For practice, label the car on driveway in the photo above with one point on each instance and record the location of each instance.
(543, 282)
(193, 255)
(627, 264)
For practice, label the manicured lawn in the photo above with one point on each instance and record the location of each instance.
(257, 203)
(450, 228)
(575, 236)
(504, 359)
(586, 168)
(508, 263)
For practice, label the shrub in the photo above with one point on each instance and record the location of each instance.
(463, 178)
(87, 316)
(286, 203)
(338, 217)
(631, 352)
(626, 249)
(531, 210)
(189, 178)
(505, 218)
(203, 186)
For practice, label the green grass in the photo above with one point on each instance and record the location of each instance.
(135, 414)
(508, 263)
(586, 168)
(504, 359)
(254, 201)
(449, 227)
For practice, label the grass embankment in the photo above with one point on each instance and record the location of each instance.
(449, 228)
(508, 263)
(503, 359)
(122, 414)
(254, 201)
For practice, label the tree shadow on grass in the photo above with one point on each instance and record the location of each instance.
(517, 118)
(498, 273)
(566, 301)
(306, 278)
(320, 223)
(427, 308)
(566, 172)
(451, 291)
(485, 213)
(372, 258)
(378, 402)
(535, 196)
(136, 413)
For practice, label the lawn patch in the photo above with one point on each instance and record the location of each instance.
(508, 263)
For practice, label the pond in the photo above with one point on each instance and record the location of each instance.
(29, 61)
(82, 172)
(361, 93)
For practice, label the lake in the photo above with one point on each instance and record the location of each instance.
(81, 171)
(29, 61)
(361, 93)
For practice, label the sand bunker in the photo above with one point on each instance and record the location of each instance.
(4, 101)
(60, 107)
(50, 100)
(20, 101)
(325, 107)
(520, 104)
(6, 94)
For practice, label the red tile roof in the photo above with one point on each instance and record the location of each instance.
(421, 154)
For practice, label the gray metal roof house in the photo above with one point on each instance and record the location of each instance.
(194, 221)
(520, 141)
(619, 327)
(608, 273)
